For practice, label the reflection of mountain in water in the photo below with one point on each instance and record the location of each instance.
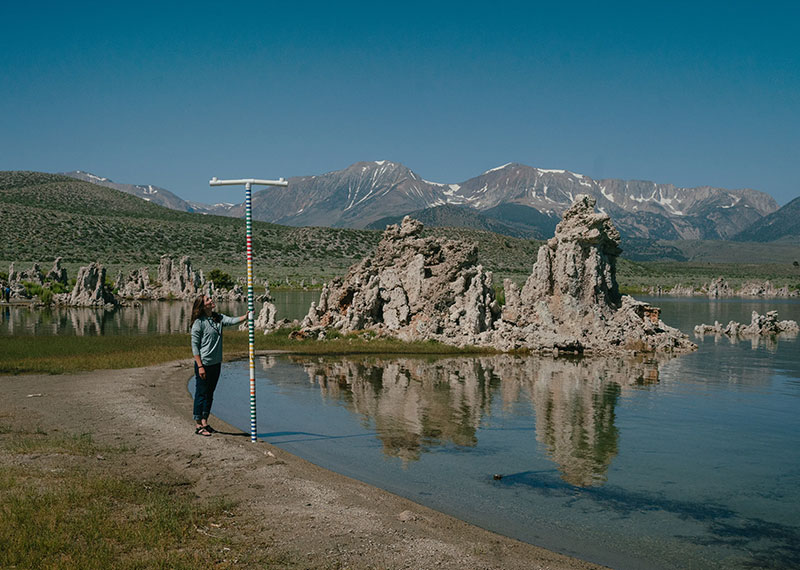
(417, 404)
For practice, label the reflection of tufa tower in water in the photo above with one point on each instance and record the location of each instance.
(415, 404)
(575, 404)
(575, 421)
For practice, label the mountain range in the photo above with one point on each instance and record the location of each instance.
(512, 199)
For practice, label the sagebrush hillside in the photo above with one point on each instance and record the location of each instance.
(44, 216)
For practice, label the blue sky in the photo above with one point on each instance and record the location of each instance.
(692, 94)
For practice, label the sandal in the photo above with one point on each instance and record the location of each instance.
(210, 429)
(202, 430)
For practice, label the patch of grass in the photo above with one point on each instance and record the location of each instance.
(39, 443)
(63, 354)
(80, 516)
(67, 354)
(363, 342)
(18, 441)
(70, 520)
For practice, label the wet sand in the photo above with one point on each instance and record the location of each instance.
(302, 514)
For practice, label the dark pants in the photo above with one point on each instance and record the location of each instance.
(204, 390)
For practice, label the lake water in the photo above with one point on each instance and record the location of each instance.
(148, 317)
(664, 463)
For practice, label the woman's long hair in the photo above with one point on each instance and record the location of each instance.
(197, 311)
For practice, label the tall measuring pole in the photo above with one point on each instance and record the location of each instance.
(248, 183)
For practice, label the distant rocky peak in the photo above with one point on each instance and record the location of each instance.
(86, 176)
(381, 171)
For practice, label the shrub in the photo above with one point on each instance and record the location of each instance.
(31, 289)
(220, 279)
(46, 296)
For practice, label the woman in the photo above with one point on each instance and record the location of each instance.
(207, 350)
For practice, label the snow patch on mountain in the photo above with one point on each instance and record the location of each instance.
(496, 168)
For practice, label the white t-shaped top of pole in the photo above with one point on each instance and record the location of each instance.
(215, 182)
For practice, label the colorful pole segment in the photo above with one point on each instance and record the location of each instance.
(251, 326)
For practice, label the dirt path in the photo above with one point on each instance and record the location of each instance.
(304, 515)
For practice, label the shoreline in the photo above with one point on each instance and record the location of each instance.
(304, 515)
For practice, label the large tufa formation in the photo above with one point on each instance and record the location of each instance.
(90, 289)
(178, 280)
(426, 288)
(135, 285)
(571, 300)
(57, 274)
(412, 288)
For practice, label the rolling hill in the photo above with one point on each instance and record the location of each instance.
(44, 216)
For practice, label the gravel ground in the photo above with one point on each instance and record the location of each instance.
(294, 512)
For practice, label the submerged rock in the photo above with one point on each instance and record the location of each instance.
(419, 288)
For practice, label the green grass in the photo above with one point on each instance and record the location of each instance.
(67, 520)
(40, 442)
(78, 517)
(68, 354)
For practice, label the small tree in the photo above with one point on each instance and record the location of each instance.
(220, 279)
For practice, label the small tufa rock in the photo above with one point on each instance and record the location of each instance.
(760, 325)
(406, 516)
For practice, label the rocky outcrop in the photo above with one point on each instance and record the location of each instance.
(412, 288)
(419, 288)
(765, 289)
(135, 285)
(57, 274)
(571, 300)
(236, 293)
(719, 288)
(175, 280)
(760, 325)
(17, 279)
(178, 280)
(33, 275)
(90, 289)
(266, 319)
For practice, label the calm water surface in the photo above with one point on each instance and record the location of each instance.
(689, 462)
(149, 317)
